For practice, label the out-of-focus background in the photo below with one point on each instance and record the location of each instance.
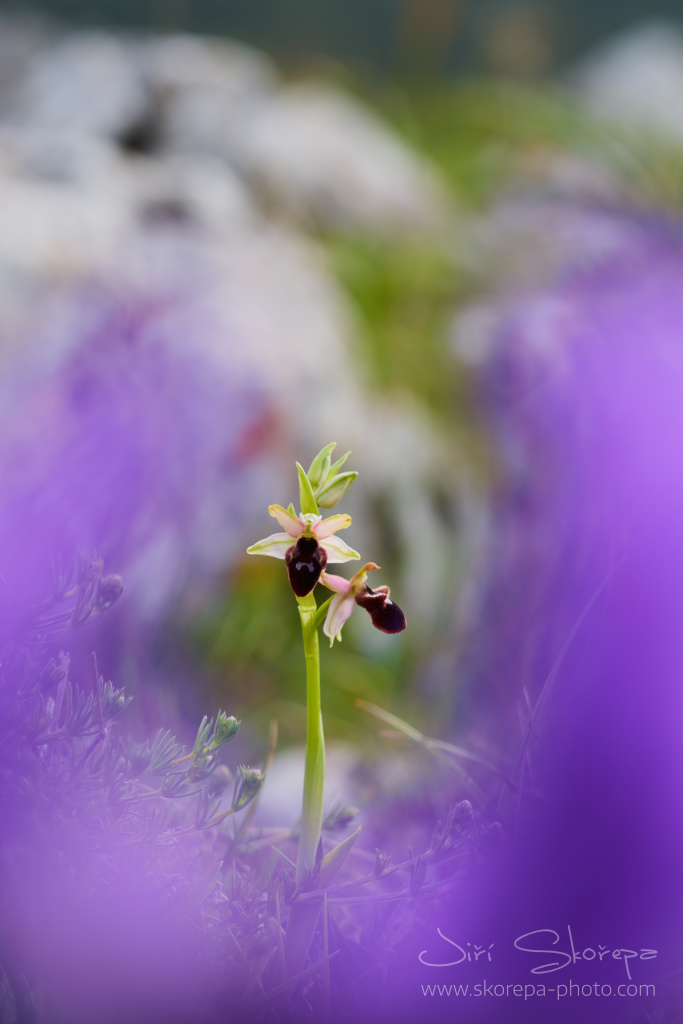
(231, 233)
(390, 37)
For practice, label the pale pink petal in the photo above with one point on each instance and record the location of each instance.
(276, 545)
(337, 550)
(331, 525)
(337, 583)
(340, 609)
(287, 521)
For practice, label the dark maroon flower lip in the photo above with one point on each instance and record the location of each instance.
(305, 561)
(384, 613)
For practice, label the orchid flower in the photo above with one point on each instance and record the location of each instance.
(307, 545)
(385, 614)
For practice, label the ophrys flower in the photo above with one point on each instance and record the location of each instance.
(307, 545)
(385, 614)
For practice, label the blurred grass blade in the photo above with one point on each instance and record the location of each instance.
(333, 861)
(445, 753)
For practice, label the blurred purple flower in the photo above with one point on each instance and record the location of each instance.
(124, 431)
(582, 605)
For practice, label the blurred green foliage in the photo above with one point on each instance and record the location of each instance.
(483, 136)
(487, 133)
(404, 294)
(251, 644)
(476, 130)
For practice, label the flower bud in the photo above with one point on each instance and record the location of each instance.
(320, 467)
(109, 590)
(460, 818)
(334, 489)
(248, 782)
(226, 727)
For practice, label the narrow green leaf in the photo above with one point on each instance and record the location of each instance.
(291, 509)
(332, 863)
(202, 734)
(319, 468)
(306, 496)
(321, 612)
(433, 747)
(336, 466)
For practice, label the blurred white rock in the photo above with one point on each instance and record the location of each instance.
(84, 82)
(187, 187)
(65, 210)
(353, 779)
(325, 160)
(20, 39)
(58, 155)
(280, 799)
(110, 179)
(177, 62)
(251, 296)
(308, 153)
(201, 87)
(636, 80)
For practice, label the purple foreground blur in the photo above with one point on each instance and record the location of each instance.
(584, 608)
(129, 426)
(120, 432)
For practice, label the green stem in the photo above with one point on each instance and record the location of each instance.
(314, 770)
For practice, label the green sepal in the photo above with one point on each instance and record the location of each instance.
(331, 864)
(306, 496)
(319, 468)
(336, 488)
(336, 466)
(291, 509)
